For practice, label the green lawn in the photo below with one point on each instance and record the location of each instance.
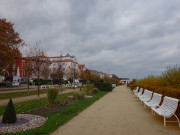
(12, 89)
(20, 94)
(58, 118)
(34, 104)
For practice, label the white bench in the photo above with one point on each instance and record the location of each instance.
(136, 90)
(68, 85)
(139, 93)
(50, 86)
(167, 109)
(43, 86)
(143, 94)
(113, 85)
(146, 96)
(155, 101)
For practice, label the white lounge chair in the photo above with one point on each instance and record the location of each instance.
(167, 109)
(140, 93)
(146, 96)
(136, 90)
(155, 101)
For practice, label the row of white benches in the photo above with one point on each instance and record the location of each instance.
(167, 109)
(46, 86)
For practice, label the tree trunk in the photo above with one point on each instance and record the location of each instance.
(28, 84)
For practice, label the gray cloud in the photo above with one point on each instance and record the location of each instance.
(125, 37)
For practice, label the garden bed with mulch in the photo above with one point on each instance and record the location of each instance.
(33, 118)
(50, 109)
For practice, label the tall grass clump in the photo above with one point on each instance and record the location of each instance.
(78, 95)
(52, 95)
(89, 89)
(171, 77)
(94, 91)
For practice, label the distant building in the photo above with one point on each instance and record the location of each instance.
(101, 74)
(20, 68)
(68, 61)
(82, 67)
(93, 72)
(124, 81)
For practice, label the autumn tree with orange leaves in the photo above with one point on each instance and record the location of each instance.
(9, 47)
(87, 75)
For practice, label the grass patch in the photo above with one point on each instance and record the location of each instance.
(34, 104)
(60, 117)
(21, 94)
(11, 89)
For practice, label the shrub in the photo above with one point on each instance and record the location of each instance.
(114, 83)
(51, 95)
(103, 86)
(88, 88)
(94, 91)
(78, 95)
(10, 113)
(171, 77)
(49, 83)
(42, 82)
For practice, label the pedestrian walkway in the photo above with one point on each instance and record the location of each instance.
(28, 98)
(117, 113)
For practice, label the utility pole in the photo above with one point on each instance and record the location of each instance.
(28, 75)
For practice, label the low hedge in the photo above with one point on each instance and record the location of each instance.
(114, 83)
(103, 86)
(41, 81)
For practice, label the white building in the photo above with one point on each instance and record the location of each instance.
(124, 81)
(68, 62)
(101, 74)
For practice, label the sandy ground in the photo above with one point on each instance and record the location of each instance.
(117, 113)
(28, 98)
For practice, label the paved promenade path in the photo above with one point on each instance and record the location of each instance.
(117, 113)
(28, 98)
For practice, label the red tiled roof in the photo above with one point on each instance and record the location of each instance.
(68, 60)
(81, 66)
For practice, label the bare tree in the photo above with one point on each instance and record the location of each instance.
(73, 71)
(38, 59)
(45, 70)
(58, 71)
(29, 70)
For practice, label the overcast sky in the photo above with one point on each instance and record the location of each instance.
(130, 38)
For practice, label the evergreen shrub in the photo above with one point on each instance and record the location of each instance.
(10, 113)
